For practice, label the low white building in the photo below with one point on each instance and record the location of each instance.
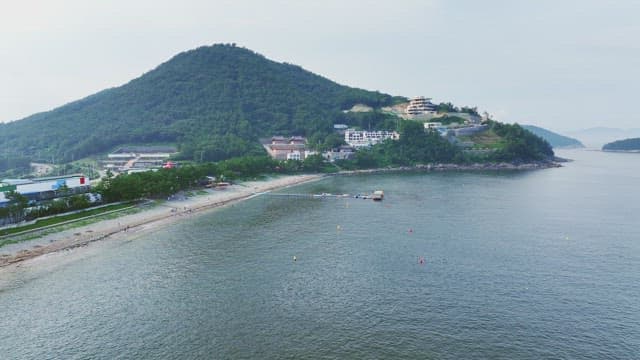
(45, 188)
(138, 157)
(443, 130)
(470, 130)
(308, 153)
(359, 138)
(294, 155)
(121, 156)
(343, 152)
(432, 125)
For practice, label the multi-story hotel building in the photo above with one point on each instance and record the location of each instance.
(420, 106)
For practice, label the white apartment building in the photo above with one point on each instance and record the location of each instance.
(358, 138)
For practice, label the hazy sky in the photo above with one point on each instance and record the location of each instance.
(558, 64)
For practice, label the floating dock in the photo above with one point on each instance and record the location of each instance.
(374, 196)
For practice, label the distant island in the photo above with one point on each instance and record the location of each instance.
(554, 139)
(596, 137)
(627, 145)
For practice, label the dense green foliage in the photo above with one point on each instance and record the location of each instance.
(214, 102)
(520, 144)
(59, 206)
(419, 147)
(373, 120)
(18, 207)
(416, 146)
(623, 145)
(450, 108)
(166, 182)
(14, 165)
(161, 183)
(79, 167)
(554, 139)
(15, 211)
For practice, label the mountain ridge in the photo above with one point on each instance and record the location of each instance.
(554, 139)
(215, 100)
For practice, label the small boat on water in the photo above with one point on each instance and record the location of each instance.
(378, 195)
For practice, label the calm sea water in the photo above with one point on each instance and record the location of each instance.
(521, 265)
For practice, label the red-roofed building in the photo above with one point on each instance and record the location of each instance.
(281, 148)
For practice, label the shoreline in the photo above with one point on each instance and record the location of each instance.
(635, 151)
(173, 210)
(145, 220)
(502, 166)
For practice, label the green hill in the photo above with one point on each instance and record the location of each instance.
(214, 102)
(554, 139)
(623, 145)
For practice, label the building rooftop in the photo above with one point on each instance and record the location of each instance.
(145, 149)
(286, 146)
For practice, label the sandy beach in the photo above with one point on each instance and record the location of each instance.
(149, 219)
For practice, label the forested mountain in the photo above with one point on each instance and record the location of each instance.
(214, 102)
(623, 145)
(554, 139)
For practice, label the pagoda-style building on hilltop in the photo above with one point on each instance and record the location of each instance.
(420, 106)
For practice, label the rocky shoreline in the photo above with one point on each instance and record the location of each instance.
(507, 166)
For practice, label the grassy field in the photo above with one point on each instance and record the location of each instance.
(485, 140)
(65, 218)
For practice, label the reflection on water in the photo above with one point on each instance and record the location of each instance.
(538, 264)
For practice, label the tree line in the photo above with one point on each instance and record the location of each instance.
(165, 182)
